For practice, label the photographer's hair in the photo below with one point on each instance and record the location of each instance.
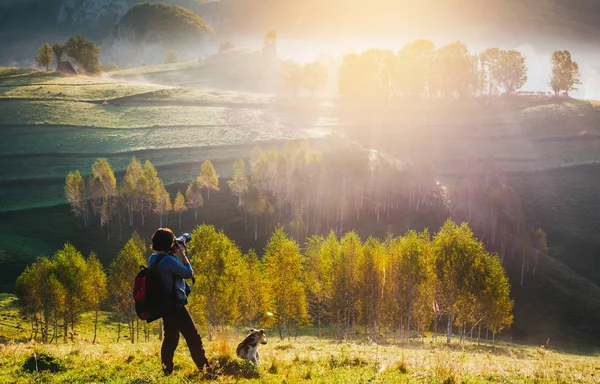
(162, 240)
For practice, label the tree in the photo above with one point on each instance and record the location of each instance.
(270, 46)
(132, 187)
(193, 195)
(105, 177)
(254, 204)
(217, 264)
(208, 178)
(565, 73)
(149, 189)
(39, 292)
(413, 66)
(239, 183)
(458, 259)
(171, 57)
(283, 268)
(84, 53)
(162, 200)
(292, 77)
(44, 56)
(371, 277)
(318, 275)
(314, 77)
(95, 288)
(368, 75)
(121, 274)
(179, 205)
(255, 301)
(345, 275)
(70, 270)
(510, 71)
(455, 70)
(58, 50)
(489, 60)
(75, 192)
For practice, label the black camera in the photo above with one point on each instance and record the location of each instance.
(180, 241)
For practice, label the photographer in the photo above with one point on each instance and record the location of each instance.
(173, 268)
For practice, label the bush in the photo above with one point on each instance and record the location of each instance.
(110, 67)
(226, 46)
(171, 57)
(42, 362)
(233, 366)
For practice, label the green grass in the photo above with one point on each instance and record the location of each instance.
(302, 358)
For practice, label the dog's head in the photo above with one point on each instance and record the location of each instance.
(259, 335)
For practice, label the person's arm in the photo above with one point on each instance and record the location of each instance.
(181, 267)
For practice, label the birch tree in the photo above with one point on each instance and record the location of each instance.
(70, 270)
(95, 292)
(239, 183)
(75, 192)
(132, 188)
(208, 178)
(283, 268)
(179, 205)
(193, 195)
(217, 264)
(455, 251)
(105, 176)
(121, 275)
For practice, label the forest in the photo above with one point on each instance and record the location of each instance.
(397, 287)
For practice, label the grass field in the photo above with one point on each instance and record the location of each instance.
(302, 358)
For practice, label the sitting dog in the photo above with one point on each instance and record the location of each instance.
(248, 349)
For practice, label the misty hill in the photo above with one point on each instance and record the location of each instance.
(147, 30)
(25, 25)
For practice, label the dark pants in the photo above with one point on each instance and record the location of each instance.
(176, 321)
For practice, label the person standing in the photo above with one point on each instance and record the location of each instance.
(173, 270)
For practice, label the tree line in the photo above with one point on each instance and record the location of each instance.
(397, 287)
(83, 52)
(292, 187)
(420, 69)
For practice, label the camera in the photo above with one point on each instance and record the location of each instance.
(181, 240)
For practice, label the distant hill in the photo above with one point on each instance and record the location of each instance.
(24, 25)
(148, 30)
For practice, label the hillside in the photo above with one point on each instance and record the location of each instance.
(53, 124)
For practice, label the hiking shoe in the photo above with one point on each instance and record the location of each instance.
(167, 370)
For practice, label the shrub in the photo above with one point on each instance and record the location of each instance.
(226, 46)
(42, 362)
(171, 57)
(232, 366)
(110, 67)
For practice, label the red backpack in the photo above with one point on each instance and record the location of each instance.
(148, 292)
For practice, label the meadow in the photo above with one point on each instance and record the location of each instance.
(304, 357)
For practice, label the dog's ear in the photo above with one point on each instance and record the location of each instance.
(262, 332)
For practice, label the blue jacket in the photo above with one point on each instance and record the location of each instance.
(173, 274)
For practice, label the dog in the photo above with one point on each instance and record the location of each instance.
(248, 349)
